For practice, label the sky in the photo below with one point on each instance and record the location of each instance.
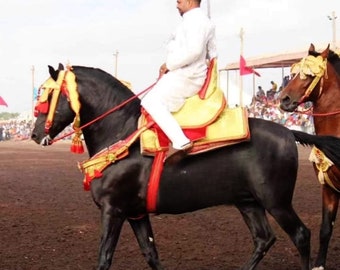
(38, 33)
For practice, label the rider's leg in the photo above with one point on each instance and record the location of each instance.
(169, 95)
(165, 121)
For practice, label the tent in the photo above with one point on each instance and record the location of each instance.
(279, 60)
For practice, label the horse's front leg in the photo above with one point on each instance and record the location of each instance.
(143, 231)
(330, 202)
(111, 228)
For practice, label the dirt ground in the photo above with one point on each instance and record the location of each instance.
(47, 221)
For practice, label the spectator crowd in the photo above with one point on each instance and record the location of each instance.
(266, 106)
(18, 130)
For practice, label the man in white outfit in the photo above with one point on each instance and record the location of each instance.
(183, 73)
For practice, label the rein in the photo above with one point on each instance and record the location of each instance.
(106, 113)
(318, 114)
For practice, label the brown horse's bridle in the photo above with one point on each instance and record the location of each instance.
(316, 67)
(311, 66)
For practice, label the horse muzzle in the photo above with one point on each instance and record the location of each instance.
(45, 141)
(287, 104)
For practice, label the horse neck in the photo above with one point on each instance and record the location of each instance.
(326, 104)
(108, 123)
(109, 130)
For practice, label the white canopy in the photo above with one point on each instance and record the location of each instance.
(279, 60)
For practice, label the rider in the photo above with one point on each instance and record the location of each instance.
(183, 73)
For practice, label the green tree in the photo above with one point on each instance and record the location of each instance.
(8, 116)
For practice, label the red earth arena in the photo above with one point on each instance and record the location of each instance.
(48, 222)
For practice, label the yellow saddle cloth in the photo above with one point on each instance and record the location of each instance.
(231, 127)
(204, 119)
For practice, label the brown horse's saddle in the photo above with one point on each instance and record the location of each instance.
(212, 127)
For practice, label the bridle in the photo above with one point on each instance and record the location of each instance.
(65, 84)
(314, 66)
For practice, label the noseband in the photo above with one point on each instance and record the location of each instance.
(311, 66)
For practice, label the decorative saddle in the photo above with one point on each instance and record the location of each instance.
(204, 118)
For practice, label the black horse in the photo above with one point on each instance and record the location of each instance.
(255, 176)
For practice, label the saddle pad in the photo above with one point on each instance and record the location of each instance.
(231, 125)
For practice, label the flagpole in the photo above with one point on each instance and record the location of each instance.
(241, 79)
(32, 115)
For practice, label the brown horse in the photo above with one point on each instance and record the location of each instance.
(316, 79)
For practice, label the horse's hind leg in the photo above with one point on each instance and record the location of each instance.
(143, 231)
(330, 202)
(262, 234)
(297, 231)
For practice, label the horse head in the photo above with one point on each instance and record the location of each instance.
(51, 102)
(80, 96)
(308, 77)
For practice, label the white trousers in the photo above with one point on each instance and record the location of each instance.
(167, 96)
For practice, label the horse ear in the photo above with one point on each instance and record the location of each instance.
(61, 66)
(325, 53)
(53, 73)
(311, 48)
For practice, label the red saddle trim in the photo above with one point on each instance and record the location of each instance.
(202, 93)
(152, 191)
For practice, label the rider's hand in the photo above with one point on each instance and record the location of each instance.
(163, 69)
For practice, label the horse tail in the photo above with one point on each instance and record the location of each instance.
(329, 145)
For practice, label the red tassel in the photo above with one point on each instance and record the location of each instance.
(97, 174)
(79, 148)
(86, 182)
(77, 145)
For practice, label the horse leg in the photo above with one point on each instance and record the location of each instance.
(262, 234)
(330, 202)
(289, 221)
(143, 231)
(111, 228)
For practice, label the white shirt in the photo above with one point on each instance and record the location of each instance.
(193, 43)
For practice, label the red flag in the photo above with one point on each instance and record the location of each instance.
(2, 102)
(244, 70)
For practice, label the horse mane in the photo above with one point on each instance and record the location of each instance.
(110, 88)
(333, 58)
